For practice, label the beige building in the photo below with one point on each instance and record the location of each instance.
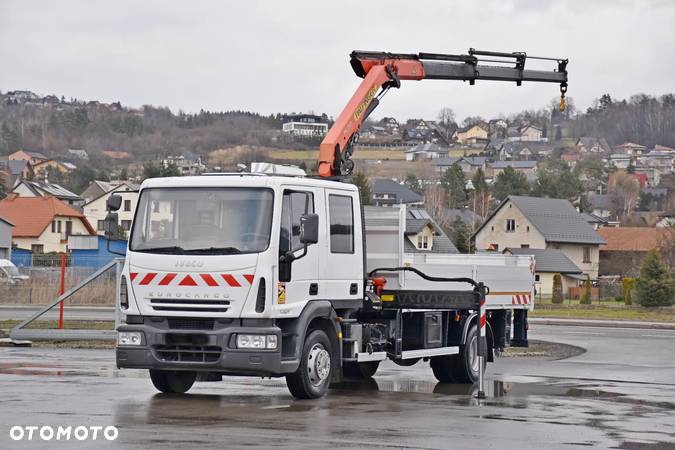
(473, 134)
(542, 223)
(95, 210)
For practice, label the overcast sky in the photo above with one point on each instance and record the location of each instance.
(283, 56)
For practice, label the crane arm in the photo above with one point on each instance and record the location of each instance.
(381, 71)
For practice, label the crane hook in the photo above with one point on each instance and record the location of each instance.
(563, 102)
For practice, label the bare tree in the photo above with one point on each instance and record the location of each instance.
(434, 203)
(625, 193)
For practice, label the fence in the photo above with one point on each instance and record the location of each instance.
(44, 281)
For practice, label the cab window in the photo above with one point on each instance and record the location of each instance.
(294, 205)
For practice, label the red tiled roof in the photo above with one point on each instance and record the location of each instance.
(631, 239)
(31, 215)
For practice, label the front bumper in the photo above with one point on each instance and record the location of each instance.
(165, 346)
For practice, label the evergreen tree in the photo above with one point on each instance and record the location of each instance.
(655, 285)
(365, 191)
(557, 296)
(510, 182)
(460, 235)
(454, 185)
(586, 298)
(413, 183)
(124, 176)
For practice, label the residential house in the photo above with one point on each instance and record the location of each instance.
(388, 192)
(663, 162)
(625, 248)
(530, 133)
(473, 134)
(32, 157)
(27, 188)
(97, 188)
(305, 125)
(15, 170)
(541, 223)
(596, 222)
(77, 153)
(570, 159)
(470, 164)
(497, 128)
(43, 224)
(425, 151)
(631, 149)
(593, 145)
(423, 235)
(527, 168)
(187, 164)
(641, 178)
(620, 160)
(95, 209)
(666, 221)
(548, 262)
(5, 238)
(524, 150)
(465, 215)
(390, 125)
(116, 155)
(425, 131)
(602, 205)
(42, 168)
(443, 163)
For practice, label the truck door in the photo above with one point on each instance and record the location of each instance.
(302, 285)
(341, 270)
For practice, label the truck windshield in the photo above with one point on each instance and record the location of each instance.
(207, 221)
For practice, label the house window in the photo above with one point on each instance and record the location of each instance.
(53, 226)
(524, 245)
(587, 254)
(528, 228)
(58, 228)
(341, 224)
(100, 225)
(37, 248)
(69, 228)
(492, 228)
(419, 241)
(127, 205)
(425, 242)
(536, 277)
(510, 225)
(126, 225)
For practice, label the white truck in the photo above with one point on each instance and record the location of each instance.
(267, 275)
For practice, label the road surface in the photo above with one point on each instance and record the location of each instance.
(620, 393)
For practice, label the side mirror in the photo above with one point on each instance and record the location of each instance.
(114, 202)
(309, 228)
(110, 227)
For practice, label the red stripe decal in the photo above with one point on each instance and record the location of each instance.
(168, 278)
(483, 319)
(187, 281)
(147, 278)
(249, 278)
(208, 279)
(230, 280)
(133, 275)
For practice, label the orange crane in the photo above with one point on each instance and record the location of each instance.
(381, 71)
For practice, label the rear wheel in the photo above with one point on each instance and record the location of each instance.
(313, 376)
(460, 368)
(172, 381)
(360, 369)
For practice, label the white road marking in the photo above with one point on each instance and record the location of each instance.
(583, 332)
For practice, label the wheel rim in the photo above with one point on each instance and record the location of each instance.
(318, 364)
(473, 353)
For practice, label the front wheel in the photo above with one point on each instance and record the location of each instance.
(172, 381)
(313, 376)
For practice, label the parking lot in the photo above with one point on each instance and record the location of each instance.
(619, 393)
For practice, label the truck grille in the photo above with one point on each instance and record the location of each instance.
(181, 305)
(190, 324)
(188, 353)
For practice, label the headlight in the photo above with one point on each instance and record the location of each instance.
(129, 338)
(257, 341)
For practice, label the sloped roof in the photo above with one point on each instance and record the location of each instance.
(445, 161)
(632, 239)
(592, 218)
(475, 160)
(56, 190)
(14, 166)
(426, 148)
(31, 215)
(514, 164)
(556, 219)
(402, 193)
(547, 260)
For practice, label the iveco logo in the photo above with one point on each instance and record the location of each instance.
(186, 263)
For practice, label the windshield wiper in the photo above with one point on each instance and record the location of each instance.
(171, 250)
(214, 250)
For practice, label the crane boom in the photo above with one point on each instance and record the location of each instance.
(381, 71)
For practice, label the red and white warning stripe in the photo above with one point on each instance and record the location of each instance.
(521, 299)
(483, 314)
(191, 279)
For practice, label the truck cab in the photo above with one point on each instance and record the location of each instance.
(240, 274)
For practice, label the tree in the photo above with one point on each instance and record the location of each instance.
(558, 184)
(586, 298)
(413, 183)
(365, 191)
(557, 296)
(624, 195)
(454, 185)
(480, 203)
(446, 117)
(472, 120)
(124, 176)
(510, 182)
(627, 288)
(460, 235)
(655, 285)
(434, 203)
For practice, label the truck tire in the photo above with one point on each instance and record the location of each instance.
(462, 367)
(172, 381)
(359, 370)
(313, 376)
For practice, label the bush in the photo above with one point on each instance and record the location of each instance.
(655, 285)
(557, 297)
(627, 288)
(586, 298)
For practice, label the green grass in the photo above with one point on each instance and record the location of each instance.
(67, 324)
(606, 312)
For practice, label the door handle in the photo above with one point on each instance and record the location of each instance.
(353, 289)
(314, 289)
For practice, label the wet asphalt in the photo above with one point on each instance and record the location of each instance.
(618, 393)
